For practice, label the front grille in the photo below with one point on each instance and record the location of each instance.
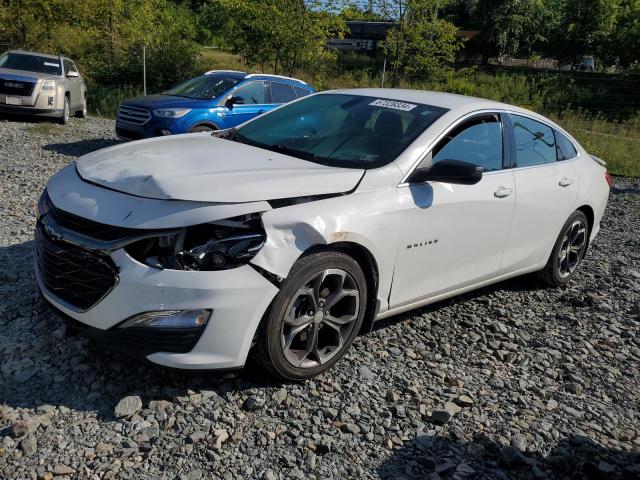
(77, 276)
(16, 87)
(128, 134)
(133, 115)
(139, 342)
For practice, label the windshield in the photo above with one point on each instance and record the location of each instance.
(340, 130)
(203, 88)
(31, 63)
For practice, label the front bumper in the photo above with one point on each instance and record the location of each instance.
(238, 298)
(21, 110)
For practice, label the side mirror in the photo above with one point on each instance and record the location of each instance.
(448, 171)
(72, 74)
(231, 101)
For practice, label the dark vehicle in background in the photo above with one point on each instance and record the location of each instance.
(41, 84)
(217, 100)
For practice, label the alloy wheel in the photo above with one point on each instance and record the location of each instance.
(572, 249)
(320, 318)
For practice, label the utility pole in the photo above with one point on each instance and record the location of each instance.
(144, 69)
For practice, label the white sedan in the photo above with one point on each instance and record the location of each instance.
(287, 236)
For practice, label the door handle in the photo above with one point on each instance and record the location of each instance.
(502, 192)
(260, 111)
(565, 182)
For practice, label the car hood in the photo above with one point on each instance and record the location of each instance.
(152, 102)
(22, 75)
(199, 167)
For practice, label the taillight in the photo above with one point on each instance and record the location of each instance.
(608, 178)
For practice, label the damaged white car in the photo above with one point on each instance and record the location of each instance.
(287, 236)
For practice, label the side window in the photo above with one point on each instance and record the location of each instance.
(251, 93)
(67, 66)
(535, 143)
(301, 92)
(566, 150)
(281, 93)
(477, 141)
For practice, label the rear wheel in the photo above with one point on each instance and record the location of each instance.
(64, 119)
(202, 128)
(568, 251)
(314, 318)
(82, 113)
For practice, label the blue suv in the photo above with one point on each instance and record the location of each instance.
(217, 100)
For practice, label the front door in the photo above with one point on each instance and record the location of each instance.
(251, 101)
(452, 236)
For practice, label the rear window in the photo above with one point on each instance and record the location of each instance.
(31, 63)
(566, 150)
(301, 92)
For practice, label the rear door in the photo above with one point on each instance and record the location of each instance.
(547, 188)
(453, 236)
(280, 92)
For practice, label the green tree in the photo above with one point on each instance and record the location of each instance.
(281, 34)
(421, 44)
(510, 27)
(586, 27)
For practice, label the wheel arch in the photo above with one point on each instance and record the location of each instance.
(590, 214)
(207, 123)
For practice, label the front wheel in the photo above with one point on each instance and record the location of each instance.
(64, 119)
(314, 318)
(568, 251)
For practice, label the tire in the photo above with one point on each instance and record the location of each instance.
(64, 119)
(82, 113)
(568, 251)
(285, 348)
(202, 128)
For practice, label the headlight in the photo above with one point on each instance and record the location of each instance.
(48, 85)
(169, 319)
(218, 245)
(171, 112)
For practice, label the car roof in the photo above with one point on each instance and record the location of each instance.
(45, 55)
(450, 101)
(238, 75)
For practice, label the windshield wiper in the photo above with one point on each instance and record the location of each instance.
(280, 148)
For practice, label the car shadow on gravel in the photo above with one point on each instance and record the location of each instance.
(81, 147)
(524, 283)
(576, 457)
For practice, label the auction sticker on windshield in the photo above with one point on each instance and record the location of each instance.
(406, 107)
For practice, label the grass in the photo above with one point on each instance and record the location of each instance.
(617, 142)
(45, 128)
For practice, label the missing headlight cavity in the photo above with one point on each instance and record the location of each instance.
(218, 245)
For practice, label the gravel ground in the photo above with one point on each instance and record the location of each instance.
(513, 381)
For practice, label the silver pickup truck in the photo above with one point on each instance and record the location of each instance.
(40, 84)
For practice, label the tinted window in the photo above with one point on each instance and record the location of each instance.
(251, 93)
(69, 66)
(31, 63)
(477, 141)
(203, 88)
(301, 92)
(350, 131)
(281, 93)
(535, 143)
(566, 150)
